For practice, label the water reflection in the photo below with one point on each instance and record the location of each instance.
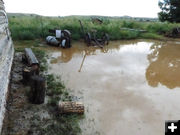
(164, 58)
(164, 65)
(116, 83)
(65, 55)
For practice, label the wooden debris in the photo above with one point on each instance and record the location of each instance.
(174, 33)
(28, 72)
(96, 20)
(91, 38)
(32, 67)
(71, 107)
(24, 60)
(37, 93)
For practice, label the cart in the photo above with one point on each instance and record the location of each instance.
(91, 38)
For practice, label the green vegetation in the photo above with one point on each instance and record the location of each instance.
(56, 90)
(58, 124)
(63, 124)
(35, 27)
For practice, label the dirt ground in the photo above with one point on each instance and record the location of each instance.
(22, 117)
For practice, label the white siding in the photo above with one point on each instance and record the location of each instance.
(6, 57)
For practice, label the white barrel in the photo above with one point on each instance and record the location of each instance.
(63, 43)
(58, 33)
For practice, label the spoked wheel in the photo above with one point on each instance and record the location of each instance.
(66, 33)
(88, 38)
(65, 42)
(105, 39)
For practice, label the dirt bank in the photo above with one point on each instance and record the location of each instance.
(21, 116)
(24, 118)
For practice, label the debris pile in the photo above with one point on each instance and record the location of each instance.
(62, 38)
(174, 33)
(91, 38)
(31, 77)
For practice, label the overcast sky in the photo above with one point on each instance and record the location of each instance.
(134, 8)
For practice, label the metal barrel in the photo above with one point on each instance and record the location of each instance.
(51, 40)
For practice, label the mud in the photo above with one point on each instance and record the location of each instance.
(127, 87)
(22, 117)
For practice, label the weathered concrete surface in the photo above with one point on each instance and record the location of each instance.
(6, 56)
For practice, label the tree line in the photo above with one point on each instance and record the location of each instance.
(170, 10)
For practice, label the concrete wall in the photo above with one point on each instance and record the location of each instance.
(6, 57)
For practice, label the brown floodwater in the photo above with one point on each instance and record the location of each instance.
(129, 87)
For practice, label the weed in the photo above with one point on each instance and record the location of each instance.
(34, 27)
(59, 124)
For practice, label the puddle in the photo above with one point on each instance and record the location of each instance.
(127, 87)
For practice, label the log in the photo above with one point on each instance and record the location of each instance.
(24, 60)
(37, 92)
(31, 58)
(28, 72)
(69, 107)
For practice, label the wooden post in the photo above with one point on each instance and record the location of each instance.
(28, 72)
(71, 107)
(37, 93)
(24, 60)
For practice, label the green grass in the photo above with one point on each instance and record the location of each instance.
(60, 124)
(65, 124)
(56, 91)
(34, 27)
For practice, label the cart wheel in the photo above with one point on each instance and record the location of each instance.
(65, 42)
(66, 33)
(88, 38)
(106, 39)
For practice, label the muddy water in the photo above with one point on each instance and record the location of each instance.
(129, 87)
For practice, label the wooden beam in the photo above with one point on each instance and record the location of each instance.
(31, 58)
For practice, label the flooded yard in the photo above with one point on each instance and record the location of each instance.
(128, 87)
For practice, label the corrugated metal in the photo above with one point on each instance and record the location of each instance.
(6, 57)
